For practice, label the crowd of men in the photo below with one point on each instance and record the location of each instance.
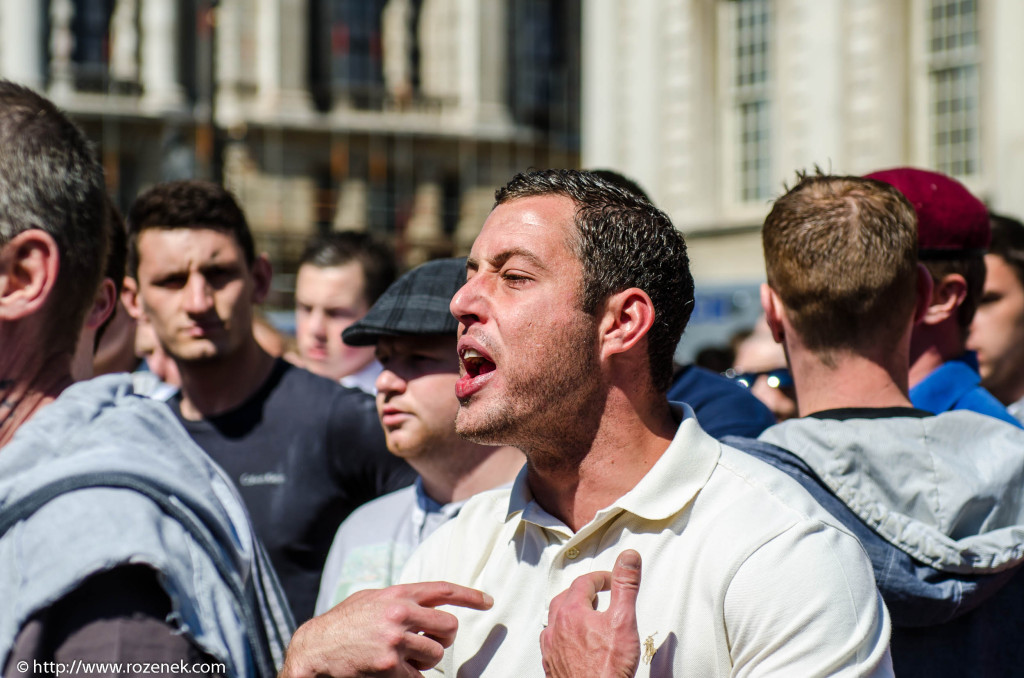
(490, 465)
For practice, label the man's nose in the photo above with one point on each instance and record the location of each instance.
(198, 295)
(468, 303)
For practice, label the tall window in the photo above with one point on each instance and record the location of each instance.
(751, 81)
(90, 55)
(347, 59)
(953, 55)
(543, 65)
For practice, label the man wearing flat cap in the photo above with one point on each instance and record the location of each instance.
(953, 234)
(415, 338)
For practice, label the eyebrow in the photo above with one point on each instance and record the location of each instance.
(498, 260)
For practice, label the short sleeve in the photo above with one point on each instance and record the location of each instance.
(805, 604)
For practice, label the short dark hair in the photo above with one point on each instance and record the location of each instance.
(841, 253)
(51, 180)
(1008, 242)
(376, 258)
(623, 182)
(187, 204)
(622, 241)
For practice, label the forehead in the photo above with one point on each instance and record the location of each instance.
(339, 283)
(173, 247)
(999, 274)
(441, 349)
(538, 227)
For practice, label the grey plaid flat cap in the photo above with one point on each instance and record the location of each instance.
(416, 303)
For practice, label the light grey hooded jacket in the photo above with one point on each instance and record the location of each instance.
(100, 478)
(945, 490)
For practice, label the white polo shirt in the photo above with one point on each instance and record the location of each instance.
(744, 574)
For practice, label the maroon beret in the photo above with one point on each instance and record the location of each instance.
(951, 223)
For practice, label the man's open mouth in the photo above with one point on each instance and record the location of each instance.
(476, 363)
(478, 367)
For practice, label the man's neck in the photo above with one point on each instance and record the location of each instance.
(853, 381)
(931, 346)
(27, 388)
(213, 387)
(465, 469)
(610, 461)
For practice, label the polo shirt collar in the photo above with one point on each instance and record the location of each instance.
(672, 483)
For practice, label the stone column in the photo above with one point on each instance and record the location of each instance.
(281, 61)
(62, 43)
(809, 93)
(229, 63)
(439, 50)
(21, 33)
(396, 36)
(482, 61)
(161, 84)
(124, 42)
(1002, 122)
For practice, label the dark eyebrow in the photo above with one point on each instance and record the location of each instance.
(502, 257)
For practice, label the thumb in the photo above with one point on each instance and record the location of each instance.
(625, 585)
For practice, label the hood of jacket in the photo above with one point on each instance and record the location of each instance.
(946, 489)
(99, 429)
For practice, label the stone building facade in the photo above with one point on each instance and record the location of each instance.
(713, 104)
(394, 116)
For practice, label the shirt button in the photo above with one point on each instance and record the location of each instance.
(572, 553)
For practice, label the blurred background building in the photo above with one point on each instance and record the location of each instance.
(395, 116)
(402, 116)
(712, 104)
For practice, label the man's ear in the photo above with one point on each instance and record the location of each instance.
(131, 298)
(947, 294)
(103, 304)
(262, 272)
(773, 313)
(924, 294)
(628, 317)
(29, 264)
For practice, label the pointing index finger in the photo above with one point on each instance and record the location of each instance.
(434, 593)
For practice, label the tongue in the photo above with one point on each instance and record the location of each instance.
(485, 367)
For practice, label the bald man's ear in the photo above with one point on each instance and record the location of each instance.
(29, 264)
(773, 313)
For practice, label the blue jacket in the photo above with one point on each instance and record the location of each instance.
(936, 503)
(722, 406)
(955, 385)
(101, 478)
